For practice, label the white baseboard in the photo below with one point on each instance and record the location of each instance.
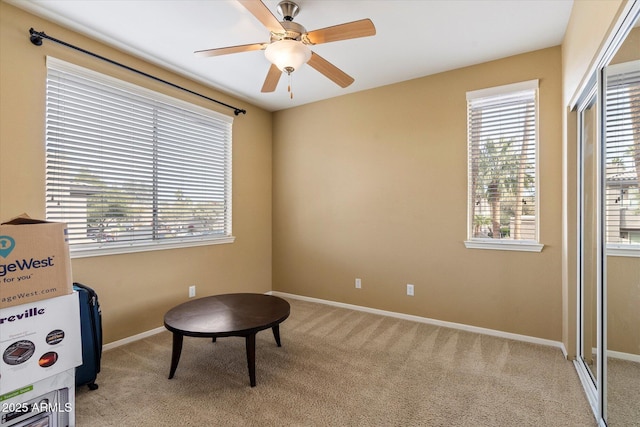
(133, 338)
(624, 356)
(460, 326)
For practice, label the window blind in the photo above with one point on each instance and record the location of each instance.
(622, 199)
(128, 167)
(502, 143)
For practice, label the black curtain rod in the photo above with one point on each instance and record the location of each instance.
(37, 36)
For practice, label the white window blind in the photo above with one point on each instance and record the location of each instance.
(130, 169)
(502, 162)
(622, 200)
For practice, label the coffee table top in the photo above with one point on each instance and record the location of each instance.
(239, 314)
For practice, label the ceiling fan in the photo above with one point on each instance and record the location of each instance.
(289, 49)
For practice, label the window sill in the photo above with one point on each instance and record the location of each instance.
(504, 245)
(116, 250)
(624, 250)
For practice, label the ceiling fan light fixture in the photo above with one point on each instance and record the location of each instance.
(288, 55)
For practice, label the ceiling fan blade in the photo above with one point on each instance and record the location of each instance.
(273, 76)
(330, 71)
(350, 30)
(231, 49)
(263, 14)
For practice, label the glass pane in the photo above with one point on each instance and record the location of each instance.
(589, 240)
(622, 142)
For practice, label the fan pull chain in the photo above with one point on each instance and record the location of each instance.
(289, 70)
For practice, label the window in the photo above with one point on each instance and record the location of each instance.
(502, 161)
(129, 169)
(622, 199)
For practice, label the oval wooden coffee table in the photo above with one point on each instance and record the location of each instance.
(229, 315)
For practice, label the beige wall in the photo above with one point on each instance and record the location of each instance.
(135, 290)
(623, 300)
(589, 27)
(369, 185)
(373, 185)
(630, 48)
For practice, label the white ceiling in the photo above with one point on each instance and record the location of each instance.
(414, 38)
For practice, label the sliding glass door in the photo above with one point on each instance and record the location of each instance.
(590, 248)
(608, 285)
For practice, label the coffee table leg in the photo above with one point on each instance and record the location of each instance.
(175, 355)
(276, 334)
(251, 358)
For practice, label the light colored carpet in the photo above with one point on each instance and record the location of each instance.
(622, 393)
(338, 367)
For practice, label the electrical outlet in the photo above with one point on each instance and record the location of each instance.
(192, 291)
(409, 289)
(358, 283)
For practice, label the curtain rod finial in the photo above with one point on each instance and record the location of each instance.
(36, 37)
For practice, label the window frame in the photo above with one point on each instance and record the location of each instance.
(132, 246)
(525, 245)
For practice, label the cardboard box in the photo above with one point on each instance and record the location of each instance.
(48, 402)
(34, 261)
(39, 340)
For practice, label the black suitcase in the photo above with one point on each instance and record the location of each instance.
(91, 333)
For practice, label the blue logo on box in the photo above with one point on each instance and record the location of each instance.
(6, 245)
